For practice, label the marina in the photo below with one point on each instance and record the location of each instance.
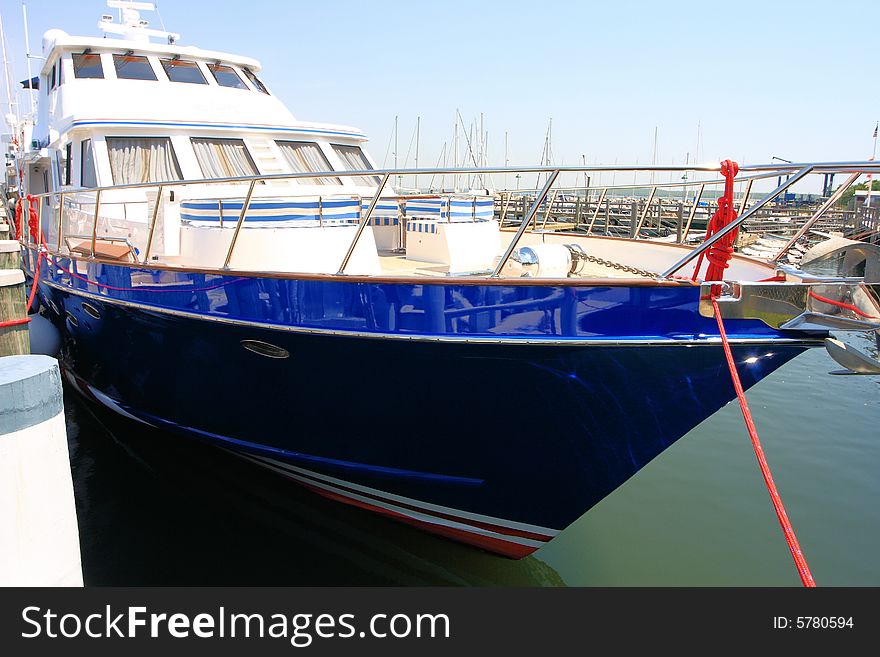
(480, 385)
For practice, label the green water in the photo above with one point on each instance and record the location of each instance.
(700, 514)
(154, 509)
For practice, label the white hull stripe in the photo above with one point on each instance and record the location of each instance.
(427, 506)
(432, 520)
(112, 404)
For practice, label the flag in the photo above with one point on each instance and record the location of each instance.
(875, 130)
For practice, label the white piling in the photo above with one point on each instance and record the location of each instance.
(39, 538)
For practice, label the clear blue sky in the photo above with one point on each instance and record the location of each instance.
(791, 79)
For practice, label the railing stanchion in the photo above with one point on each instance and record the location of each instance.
(244, 209)
(365, 219)
(60, 220)
(549, 209)
(149, 246)
(533, 211)
(95, 222)
(693, 212)
(817, 215)
(596, 211)
(745, 198)
(733, 225)
(645, 212)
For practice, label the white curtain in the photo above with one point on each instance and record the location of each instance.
(305, 156)
(223, 158)
(142, 160)
(354, 160)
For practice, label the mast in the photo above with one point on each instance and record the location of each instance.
(27, 48)
(870, 182)
(455, 152)
(13, 103)
(418, 136)
(654, 154)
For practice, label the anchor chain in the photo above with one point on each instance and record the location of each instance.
(618, 266)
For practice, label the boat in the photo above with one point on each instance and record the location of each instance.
(222, 270)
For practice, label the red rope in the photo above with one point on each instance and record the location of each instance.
(841, 304)
(35, 228)
(719, 254)
(790, 538)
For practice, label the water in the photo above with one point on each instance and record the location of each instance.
(155, 509)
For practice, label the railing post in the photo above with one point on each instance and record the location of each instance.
(506, 203)
(95, 222)
(812, 220)
(693, 211)
(533, 211)
(244, 209)
(321, 211)
(679, 220)
(736, 223)
(549, 209)
(365, 219)
(596, 212)
(645, 212)
(153, 224)
(60, 220)
(220, 210)
(745, 198)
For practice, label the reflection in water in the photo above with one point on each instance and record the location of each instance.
(157, 509)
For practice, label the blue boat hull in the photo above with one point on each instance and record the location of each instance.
(497, 443)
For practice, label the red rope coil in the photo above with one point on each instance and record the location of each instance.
(720, 253)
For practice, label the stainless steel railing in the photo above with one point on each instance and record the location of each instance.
(794, 172)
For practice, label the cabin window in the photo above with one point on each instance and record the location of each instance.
(68, 161)
(306, 156)
(353, 159)
(64, 164)
(226, 76)
(142, 160)
(133, 67)
(179, 70)
(52, 77)
(223, 158)
(249, 74)
(87, 65)
(87, 175)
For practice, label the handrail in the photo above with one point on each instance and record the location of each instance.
(153, 223)
(244, 208)
(733, 225)
(525, 222)
(869, 166)
(816, 215)
(759, 171)
(365, 219)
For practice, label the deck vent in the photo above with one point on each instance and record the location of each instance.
(265, 349)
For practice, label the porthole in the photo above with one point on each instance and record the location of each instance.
(70, 318)
(91, 310)
(265, 349)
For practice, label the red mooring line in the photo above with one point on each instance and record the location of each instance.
(793, 545)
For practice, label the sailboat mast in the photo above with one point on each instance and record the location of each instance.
(27, 48)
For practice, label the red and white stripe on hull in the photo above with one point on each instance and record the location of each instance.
(506, 537)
